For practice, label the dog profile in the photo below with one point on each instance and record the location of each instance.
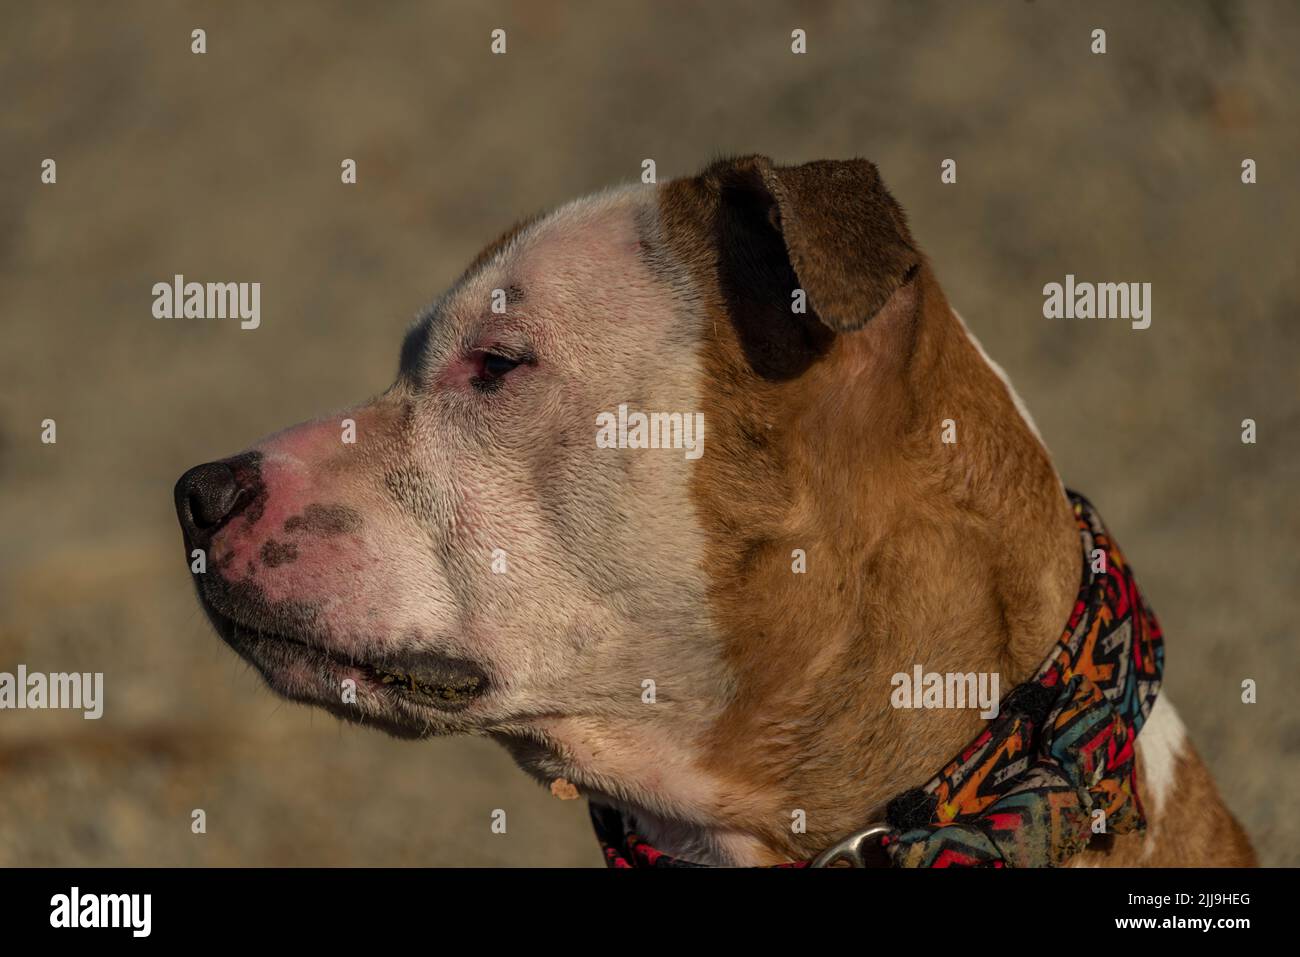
(704, 643)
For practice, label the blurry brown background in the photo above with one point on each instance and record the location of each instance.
(1122, 167)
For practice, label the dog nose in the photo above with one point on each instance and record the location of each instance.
(205, 499)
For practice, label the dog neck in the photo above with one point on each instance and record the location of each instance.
(848, 542)
(959, 556)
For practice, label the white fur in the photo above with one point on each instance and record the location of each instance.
(1161, 743)
(1011, 390)
(1162, 740)
(1001, 374)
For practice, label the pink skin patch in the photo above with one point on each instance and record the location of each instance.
(294, 541)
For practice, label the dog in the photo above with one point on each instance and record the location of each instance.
(459, 555)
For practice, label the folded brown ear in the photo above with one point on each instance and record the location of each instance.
(844, 237)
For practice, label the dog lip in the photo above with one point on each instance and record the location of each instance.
(439, 681)
(447, 683)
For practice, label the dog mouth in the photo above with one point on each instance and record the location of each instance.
(441, 691)
(422, 680)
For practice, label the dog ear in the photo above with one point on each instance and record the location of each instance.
(829, 228)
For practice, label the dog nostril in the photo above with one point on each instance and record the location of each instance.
(206, 495)
(210, 511)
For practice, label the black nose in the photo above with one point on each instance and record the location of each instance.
(205, 499)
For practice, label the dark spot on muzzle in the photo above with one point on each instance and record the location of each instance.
(276, 553)
(324, 520)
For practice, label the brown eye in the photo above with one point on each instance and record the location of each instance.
(495, 366)
(491, 367)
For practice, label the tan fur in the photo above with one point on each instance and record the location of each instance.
(960, 558)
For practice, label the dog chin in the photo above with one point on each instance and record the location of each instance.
(413, 696)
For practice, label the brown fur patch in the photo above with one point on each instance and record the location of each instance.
(960, 558)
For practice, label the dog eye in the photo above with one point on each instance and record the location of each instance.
(490, 368)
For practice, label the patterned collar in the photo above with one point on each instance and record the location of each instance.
(1051, 773)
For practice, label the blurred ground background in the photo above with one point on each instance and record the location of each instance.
(1122, 167)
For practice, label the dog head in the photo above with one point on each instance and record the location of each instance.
(694, 612)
